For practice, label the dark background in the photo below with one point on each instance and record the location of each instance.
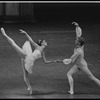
(62, 14)
(88, 12)
(54, 13)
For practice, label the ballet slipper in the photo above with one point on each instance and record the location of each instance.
(30, 90)
(3, 32)
(71, 92)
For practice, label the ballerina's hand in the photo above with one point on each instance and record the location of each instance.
(21, 31)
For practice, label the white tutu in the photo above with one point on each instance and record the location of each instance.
(27, 48)
(29, 63)
(66, 61)
(29, 60)
(31, 57)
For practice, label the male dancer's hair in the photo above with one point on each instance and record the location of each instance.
(81, 41)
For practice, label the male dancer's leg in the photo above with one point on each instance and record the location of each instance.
(73, 70)
(90, 75)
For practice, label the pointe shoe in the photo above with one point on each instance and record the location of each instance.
(29, 87)
(71, 92)
(3, 31)
(30, 90)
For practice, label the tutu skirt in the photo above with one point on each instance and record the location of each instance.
(27, 48)
(29, 60)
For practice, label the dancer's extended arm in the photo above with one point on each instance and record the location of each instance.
(30, 39)
(45, 60)
(69, 60)
(78, 30)
(60, 61)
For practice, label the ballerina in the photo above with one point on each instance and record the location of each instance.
(27, 56)
(80, 64)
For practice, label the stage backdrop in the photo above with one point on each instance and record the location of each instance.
(10, 11)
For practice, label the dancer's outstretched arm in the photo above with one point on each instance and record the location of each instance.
(45, 60)
(69, 60)
(60, 61)
(30, 39)
(78, 30)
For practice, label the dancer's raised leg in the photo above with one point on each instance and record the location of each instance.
(14, 45)
(90, 75)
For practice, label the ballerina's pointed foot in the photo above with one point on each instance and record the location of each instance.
(30, 90)
(3, 32)
(71, 92)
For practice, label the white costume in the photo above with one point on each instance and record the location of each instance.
(31, 57)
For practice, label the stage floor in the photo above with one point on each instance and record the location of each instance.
(45, 93)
